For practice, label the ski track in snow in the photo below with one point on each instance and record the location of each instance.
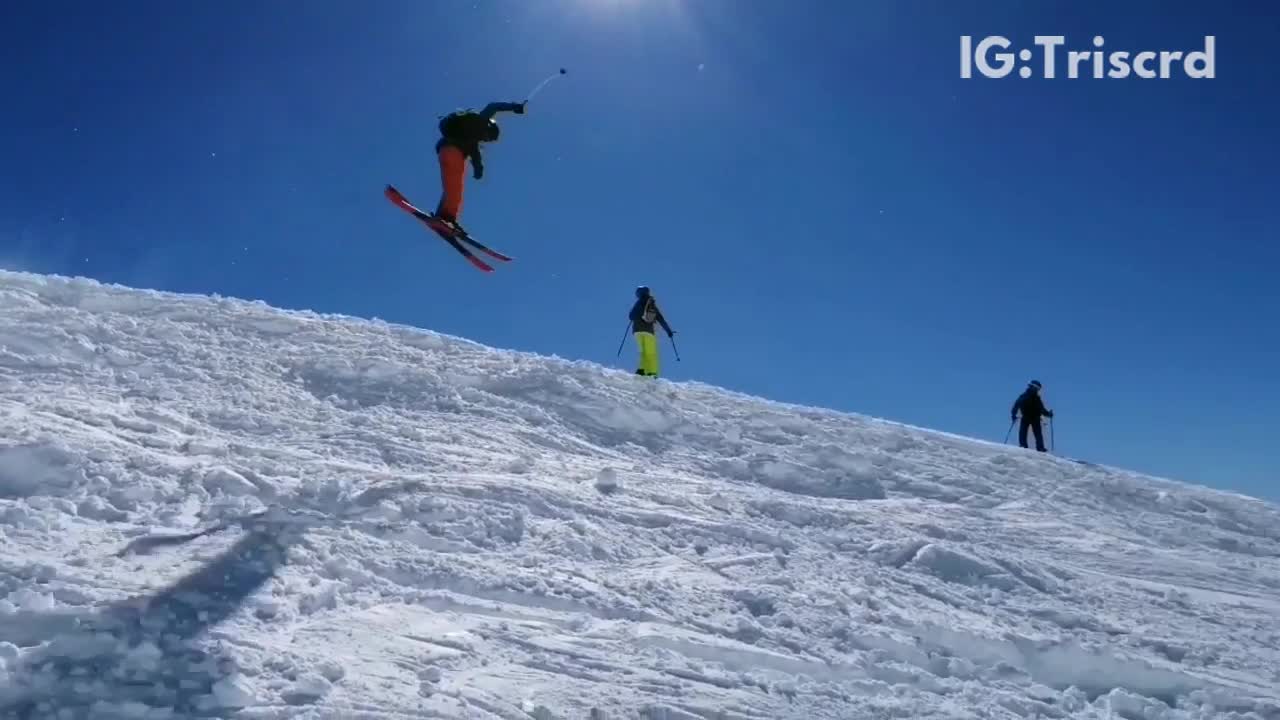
(383, 522)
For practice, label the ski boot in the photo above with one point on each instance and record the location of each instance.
(444, 223)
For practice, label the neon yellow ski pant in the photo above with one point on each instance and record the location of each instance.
(648, 343)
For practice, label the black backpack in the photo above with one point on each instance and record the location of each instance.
(463, 125)
(650, 310)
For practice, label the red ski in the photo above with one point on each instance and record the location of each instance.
(455, 238)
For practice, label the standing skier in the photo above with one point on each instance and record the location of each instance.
(644, 313)
(461, 134)
(1031, 406)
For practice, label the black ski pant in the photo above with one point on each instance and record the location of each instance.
(1032, 424)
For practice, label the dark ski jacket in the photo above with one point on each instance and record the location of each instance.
(1030, 405)
(466, 129)
(645, 313)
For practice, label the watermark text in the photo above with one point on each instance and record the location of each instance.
(996, 57)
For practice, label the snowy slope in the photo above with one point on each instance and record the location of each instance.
(209, 507)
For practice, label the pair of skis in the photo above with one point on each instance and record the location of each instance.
(458, 238)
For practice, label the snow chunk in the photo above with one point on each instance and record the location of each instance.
(720, 502)
(792, 477)
(307, 689)
(95, 507)
(522, 465)
(232, 692)
(895, 553)
(607, 480)
(955, 566)
(32, 601)
(331, 670)
(227, 481)
(36, 469)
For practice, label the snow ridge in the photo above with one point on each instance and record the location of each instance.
(213, 508)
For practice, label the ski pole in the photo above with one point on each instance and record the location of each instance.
(623, 341)
(674, 349)
(538, 88)
(1010, 432)
(1053, 443)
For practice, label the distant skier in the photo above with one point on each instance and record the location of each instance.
(1031, 407)
(462, 132)
(644, 315)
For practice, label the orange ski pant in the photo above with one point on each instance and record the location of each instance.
(453, 169)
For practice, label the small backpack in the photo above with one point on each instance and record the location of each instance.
(650, 311)
(462, 125)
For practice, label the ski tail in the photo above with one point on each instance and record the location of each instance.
(484, 248)
(481, 265)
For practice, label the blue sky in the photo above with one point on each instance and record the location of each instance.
(827, 211)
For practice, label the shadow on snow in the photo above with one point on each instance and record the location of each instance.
(141, 652)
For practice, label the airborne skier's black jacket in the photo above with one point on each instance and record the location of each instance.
(466, 129)
(1030, 405)
(645, 313)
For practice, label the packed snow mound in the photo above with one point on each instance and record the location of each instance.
(212, 508)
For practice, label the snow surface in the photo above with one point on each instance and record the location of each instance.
(212, 508)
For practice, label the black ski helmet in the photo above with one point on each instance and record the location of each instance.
(491, 130)
(642, 291)
(1035, 384)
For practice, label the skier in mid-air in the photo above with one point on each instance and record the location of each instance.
(461, 134)
(1031, 407)
(644, 314)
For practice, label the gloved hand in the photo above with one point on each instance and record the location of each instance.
(671, 333)
(1013, 418)
(477, 170)
(520, 108)
(1048, 413)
